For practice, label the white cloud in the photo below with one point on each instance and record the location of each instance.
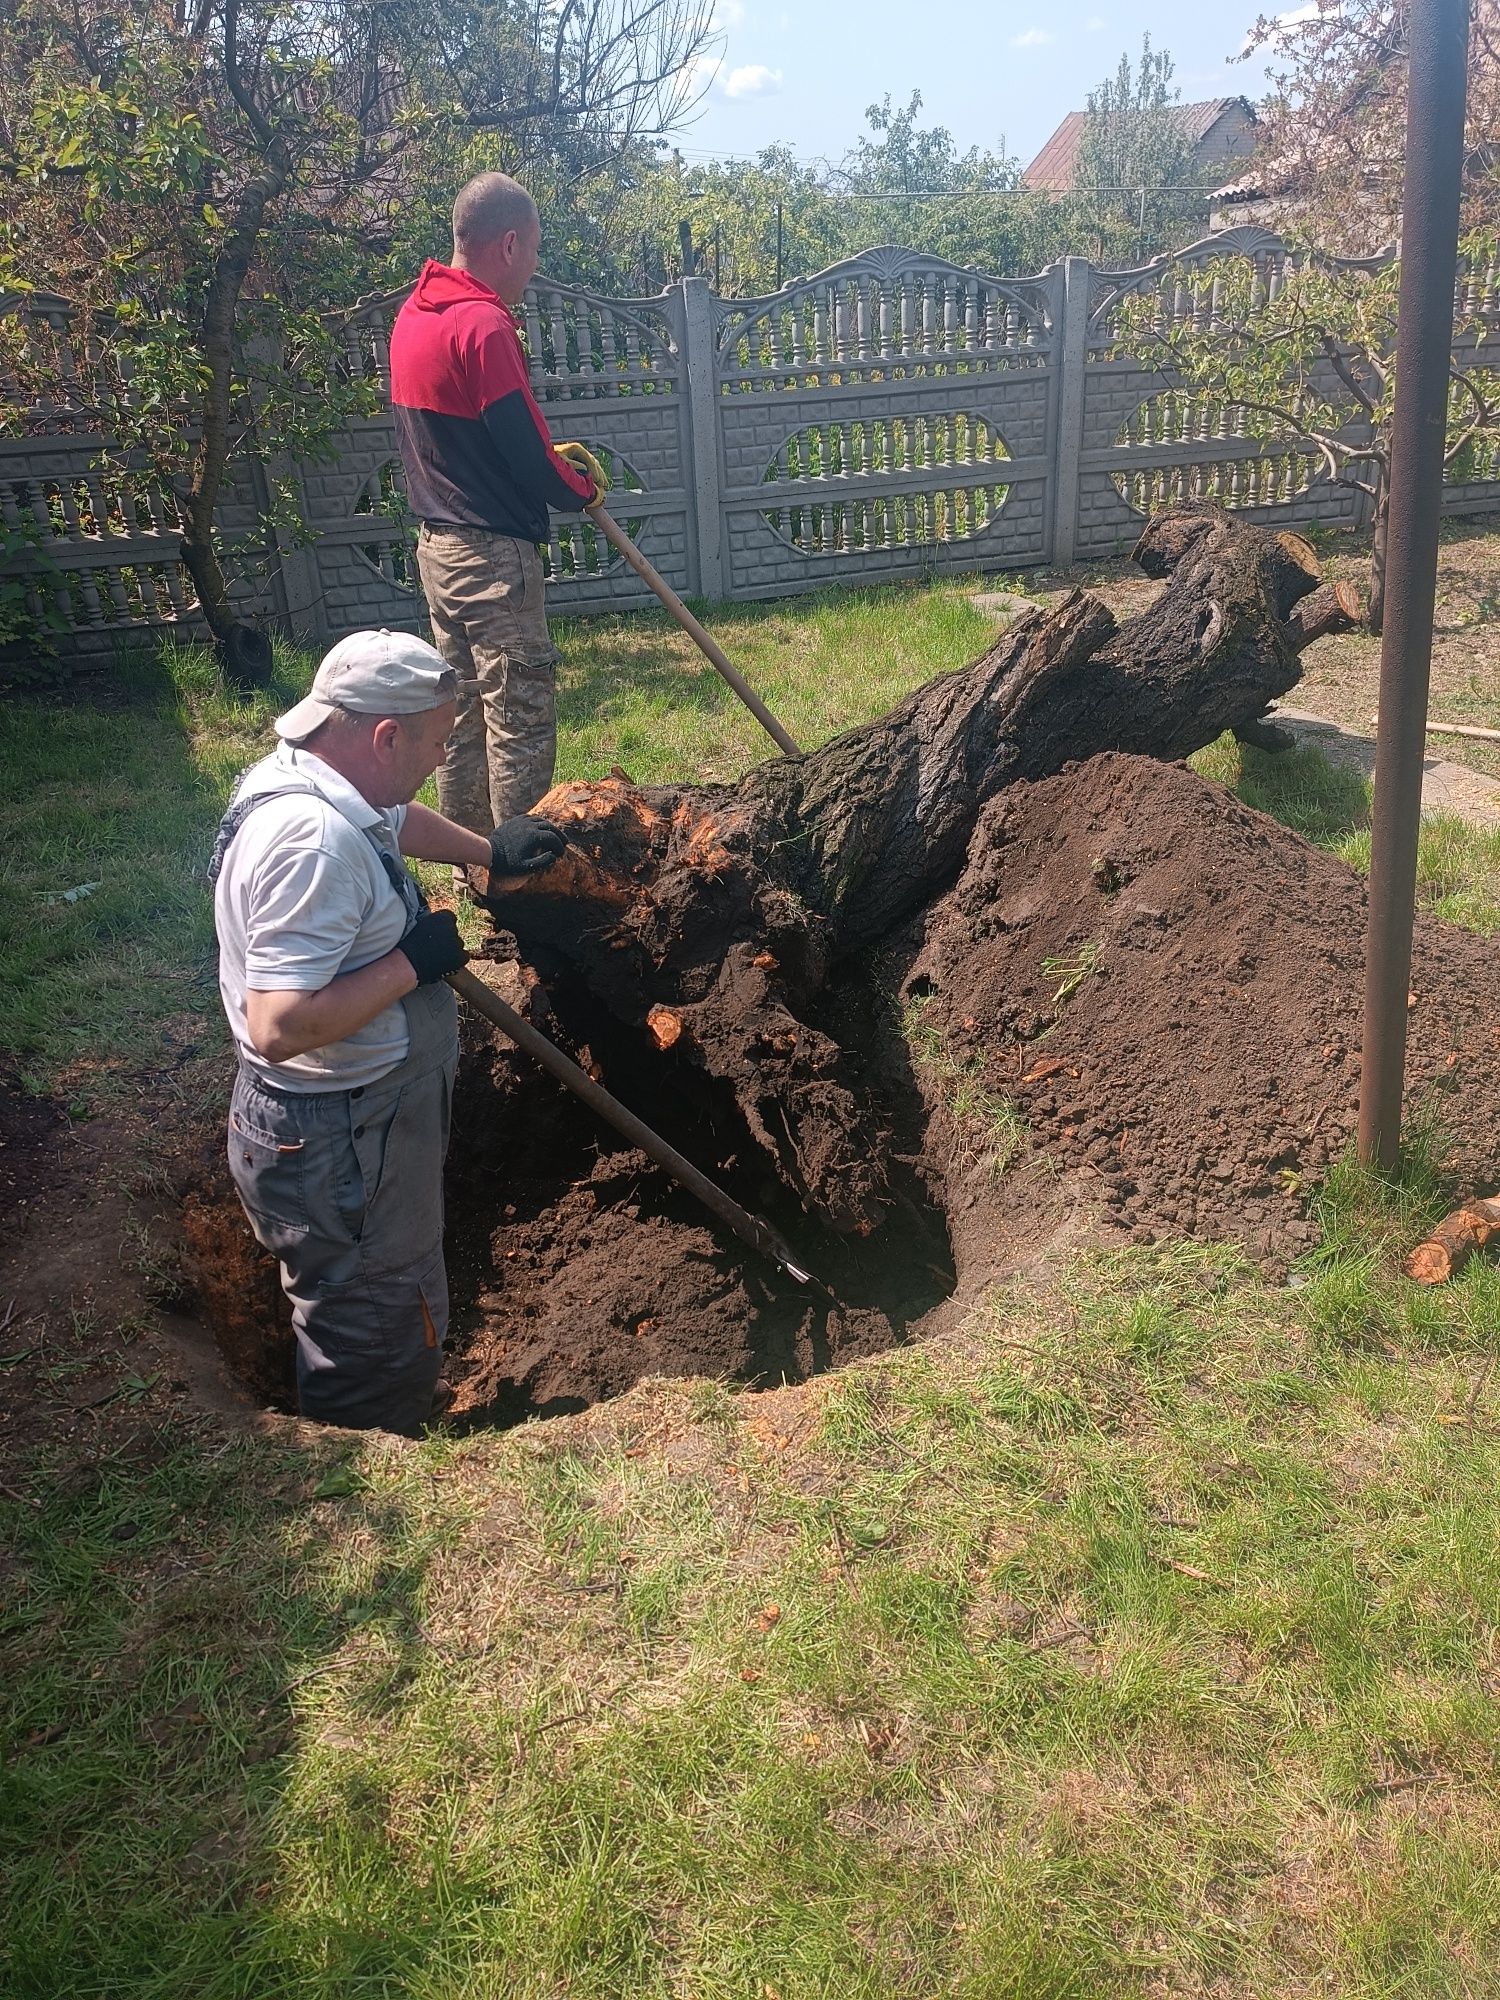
(1094, 23)
(728, 13)
(1032, 38)
(1292, 18)
(752, 80)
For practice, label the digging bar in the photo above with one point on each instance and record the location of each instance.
(749, 1228)
(710, 648)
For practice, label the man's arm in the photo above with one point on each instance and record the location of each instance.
(427, 836)
(286, 1024)
(501, 388)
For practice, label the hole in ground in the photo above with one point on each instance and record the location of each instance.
(576, 1266)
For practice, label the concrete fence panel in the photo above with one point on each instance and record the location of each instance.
(894, 416)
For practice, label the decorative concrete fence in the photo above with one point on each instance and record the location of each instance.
(894, 416)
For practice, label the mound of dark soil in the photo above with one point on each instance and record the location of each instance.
(1169, 987)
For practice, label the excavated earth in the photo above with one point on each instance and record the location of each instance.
(1163, 983)
(1169, 988)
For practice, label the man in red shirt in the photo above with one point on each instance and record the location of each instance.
(481, 473)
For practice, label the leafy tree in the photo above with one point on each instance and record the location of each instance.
(986, 216)
(1134, 160)
(735, 203)
(212, 183)
(904, 157)
(1333, 125)
(1310, 363)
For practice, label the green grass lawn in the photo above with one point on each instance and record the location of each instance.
(1139, 1639)
(124, 800)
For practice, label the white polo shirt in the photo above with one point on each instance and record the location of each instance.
(303, 896)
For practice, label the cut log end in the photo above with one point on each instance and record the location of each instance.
(665, 1027)
(1450, 1246)
(1334, 607)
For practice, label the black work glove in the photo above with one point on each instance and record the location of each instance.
(523, 845)
(433, 946)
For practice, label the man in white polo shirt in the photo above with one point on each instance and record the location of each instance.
(331, 970)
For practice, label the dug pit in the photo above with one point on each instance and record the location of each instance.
(1158, 988)
(576, 1266)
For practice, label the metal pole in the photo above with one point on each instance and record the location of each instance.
(685, 247)
(778, 246)
(1437, 72)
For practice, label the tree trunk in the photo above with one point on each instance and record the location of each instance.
(721, 909)
(200, 555)
(1375, 616)
(1333, 608)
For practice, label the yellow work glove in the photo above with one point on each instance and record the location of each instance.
(583, 460)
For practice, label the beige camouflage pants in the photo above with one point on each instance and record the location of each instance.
(484, 592)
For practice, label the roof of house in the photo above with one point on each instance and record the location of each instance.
(1056, 165)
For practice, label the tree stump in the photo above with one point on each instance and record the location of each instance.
(701, 923)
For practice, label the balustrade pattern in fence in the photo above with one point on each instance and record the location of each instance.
(894, 416)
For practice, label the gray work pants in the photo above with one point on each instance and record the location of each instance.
(345, 1189)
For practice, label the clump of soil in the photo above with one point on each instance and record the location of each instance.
(576, 1266)
(1169, 987)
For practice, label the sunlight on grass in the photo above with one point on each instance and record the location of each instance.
(1458, 863)
(1144, 1623)
(127, 797)
(634, 691)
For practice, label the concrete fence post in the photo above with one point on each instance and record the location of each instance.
(301, 609)
(1072, 351)
(705, 491)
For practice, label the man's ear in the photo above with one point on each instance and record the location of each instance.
(385, 736)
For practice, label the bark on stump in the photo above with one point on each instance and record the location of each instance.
(705, 920)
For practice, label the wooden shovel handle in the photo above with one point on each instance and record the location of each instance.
(712, 651)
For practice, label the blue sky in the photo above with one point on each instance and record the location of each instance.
(801, 72)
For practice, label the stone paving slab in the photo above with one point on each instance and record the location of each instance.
(1446, 786)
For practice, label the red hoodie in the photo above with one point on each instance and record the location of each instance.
(474, 444)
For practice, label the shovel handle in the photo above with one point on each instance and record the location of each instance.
(712, 651)
(749, 1228)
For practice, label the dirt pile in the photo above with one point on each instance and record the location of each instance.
(1169, 988)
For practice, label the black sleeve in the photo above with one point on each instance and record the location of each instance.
(531, 465)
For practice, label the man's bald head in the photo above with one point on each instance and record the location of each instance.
(489, 209)
(497, 235)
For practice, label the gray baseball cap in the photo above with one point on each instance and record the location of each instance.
(372, 673)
